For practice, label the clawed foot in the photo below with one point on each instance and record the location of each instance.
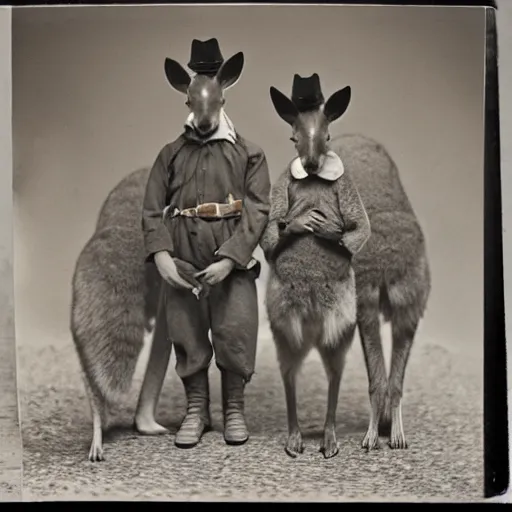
(397, 439)
(96, 451)
(294, 445)
(371, 439)
(149, 427)
(329, 447)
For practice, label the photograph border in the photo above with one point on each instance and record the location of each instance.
(496, 431)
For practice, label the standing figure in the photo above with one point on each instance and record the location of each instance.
(317, 224)
(205, 208)
(393, 279)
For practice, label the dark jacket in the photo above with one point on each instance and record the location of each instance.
(188, 172)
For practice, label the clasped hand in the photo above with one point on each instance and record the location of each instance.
(213, 274)
(216, 272)
(316, 222)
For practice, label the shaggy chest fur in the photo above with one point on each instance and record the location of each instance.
(309, 262)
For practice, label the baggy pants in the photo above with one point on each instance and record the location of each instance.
(230, 311)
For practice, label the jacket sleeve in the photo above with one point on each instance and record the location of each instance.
(156, 235)
(256, 206)
(278, 211)
(354, 214)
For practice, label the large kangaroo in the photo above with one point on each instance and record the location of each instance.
(392, 271)
(317, 223)
(114, 300)
(392, 279)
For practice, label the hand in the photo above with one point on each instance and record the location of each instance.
(325, 227)
(167, 268)
(305, 223)
(216, 272)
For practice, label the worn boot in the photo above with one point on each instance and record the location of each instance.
(197, 420)
(235, 429)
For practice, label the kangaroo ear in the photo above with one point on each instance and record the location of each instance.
(230, 71)
(337, 104)
(177, 76)
(285, 107)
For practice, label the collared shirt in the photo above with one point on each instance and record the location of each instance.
(332, 168)
(207, 171)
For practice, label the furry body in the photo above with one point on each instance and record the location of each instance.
(392, 278)
(114, 299)
(311, 295)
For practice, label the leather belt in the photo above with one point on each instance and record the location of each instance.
(233, 208)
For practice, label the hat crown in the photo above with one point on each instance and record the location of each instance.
(307, 92)
(205, 56)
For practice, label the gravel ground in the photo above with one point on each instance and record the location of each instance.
(442, 417)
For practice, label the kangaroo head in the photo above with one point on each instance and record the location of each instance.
(310, 128)
(205, 93)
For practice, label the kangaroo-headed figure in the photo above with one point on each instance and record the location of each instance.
(392, 280)
(206, 205)
(116, 295)
(317, 223)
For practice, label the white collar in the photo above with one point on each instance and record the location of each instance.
(332, 168)
(225, 130)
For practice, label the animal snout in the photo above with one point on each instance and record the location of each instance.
(311, 165)
(204, 126)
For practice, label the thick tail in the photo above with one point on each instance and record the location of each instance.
(108, 315)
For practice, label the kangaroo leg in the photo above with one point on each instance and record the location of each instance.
(369, 331)
(156, 369)
(333, 359)
(403, 328)
(290, 360)
(97, 410)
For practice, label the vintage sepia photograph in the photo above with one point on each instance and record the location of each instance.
(249, 258)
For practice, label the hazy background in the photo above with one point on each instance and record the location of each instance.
(91, 104)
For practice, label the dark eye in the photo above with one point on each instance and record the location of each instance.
(293, 139)
(328, 137)
(187, 103)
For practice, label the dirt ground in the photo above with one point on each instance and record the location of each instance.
(442, 418)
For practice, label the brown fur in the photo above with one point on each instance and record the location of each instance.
(114, 298)
(392, 278)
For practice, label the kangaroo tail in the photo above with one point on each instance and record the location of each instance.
(108, 314)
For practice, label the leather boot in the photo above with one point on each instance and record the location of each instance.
(197, 420)
(235, 429)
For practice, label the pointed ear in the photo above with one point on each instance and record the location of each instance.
(285, 107)
(177, 76)
(230, 71)
(337, 104)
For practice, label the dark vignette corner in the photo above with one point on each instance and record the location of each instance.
(495, 376)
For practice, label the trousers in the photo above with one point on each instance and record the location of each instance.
(229, 312)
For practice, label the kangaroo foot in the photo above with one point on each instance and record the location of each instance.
(147, 426)
(294, 445)
(329, 446)
(397, 439)
(96, 451)
(371, 439)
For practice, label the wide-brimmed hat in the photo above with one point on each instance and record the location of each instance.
(307, 92)
(205, 57)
